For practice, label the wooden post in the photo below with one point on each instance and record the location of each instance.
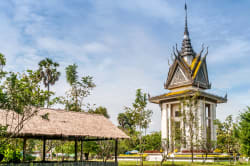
(24, 149)
(75, 149)
(116, 148)
(81, 150)
(44, 149)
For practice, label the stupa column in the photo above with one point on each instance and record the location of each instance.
(183, 132)
(203, 121)
(200, 110)
(164, 121)
(169, 126)
(213, 117)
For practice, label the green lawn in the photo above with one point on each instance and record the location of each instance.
(153, 163)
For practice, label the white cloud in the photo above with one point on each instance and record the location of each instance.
(70, 50)
(232, 49)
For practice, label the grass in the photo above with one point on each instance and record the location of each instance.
(154, 163)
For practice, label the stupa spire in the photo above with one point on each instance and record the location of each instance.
(186, 49)
(186, 34)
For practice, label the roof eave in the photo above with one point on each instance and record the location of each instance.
(159, 99)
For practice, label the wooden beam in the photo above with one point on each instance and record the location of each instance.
(116, 148)
(76, 149)
(44, 149)
(70, 138)
(98, 139)
(81, 150)
(24, 149)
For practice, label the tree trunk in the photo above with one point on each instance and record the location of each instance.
(48, 97)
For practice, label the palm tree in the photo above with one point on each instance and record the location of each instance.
(48, 74)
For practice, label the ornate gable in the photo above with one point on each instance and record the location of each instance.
(201, 76)
(181, 74)
(178, 77)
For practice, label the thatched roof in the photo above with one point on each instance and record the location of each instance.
(66, 125)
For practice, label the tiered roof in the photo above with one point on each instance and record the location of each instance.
(188, 68)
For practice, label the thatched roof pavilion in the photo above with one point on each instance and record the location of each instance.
(60, 124)
(64, 125)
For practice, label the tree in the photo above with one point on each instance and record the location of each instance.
(22, 94)
(71, 74)
(100, 110)
(104, 149)
(206, 145)
(80, 89)
(189, 111)
(152, 141)
(141, 116)
(227, 135)
(2, 62)
(48, 74)
(126, 122)
(20, 97)
(244, 127)
(164, 150)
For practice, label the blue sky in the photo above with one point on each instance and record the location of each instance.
(126, 45)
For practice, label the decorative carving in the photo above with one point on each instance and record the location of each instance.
(178, 77)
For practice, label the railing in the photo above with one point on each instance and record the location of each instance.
(83, 163)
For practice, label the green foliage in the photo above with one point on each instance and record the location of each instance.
(133, 121)
(90, 147)
(45, 116)
(71, 74)
(244, 126)
(142, 117)
(2, 60)
(126, 122)
(20, 91)
(2, 64)
(136, 117)
(100, 110)
(152, 141)
(105, 149)
(227, 135)
(12, 156)
(12, 151)
(80, 89)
